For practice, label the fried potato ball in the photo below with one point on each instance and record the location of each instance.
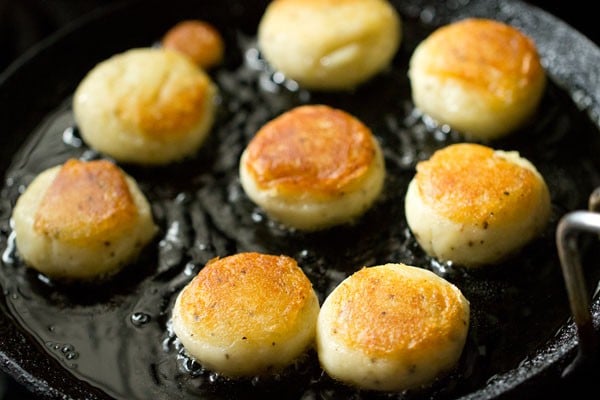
(313, 167)
(392, 327)
(248, 314)
(482, 77)
(330, 44)
(475, 206)
(197, 39)
(82, 220)
(145, 106)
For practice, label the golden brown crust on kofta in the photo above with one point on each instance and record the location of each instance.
(82, 220)
(392, 327)
(164, 108)
(197, 39)
(482, 77)
(473, 205)
(314, 149)
(383, 313)
(489, 56)
(313, 167)
(245, 295)
(248, 314)
(148, 106)
(85, 201)
(471, 183)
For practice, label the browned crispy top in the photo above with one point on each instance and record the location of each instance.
(86, 201)
(486, 54)
(199, 40)
(313, 148)
(382, 310)
(470, 183)
(246, 296)
(159, 94)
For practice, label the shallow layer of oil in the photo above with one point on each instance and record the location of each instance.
(116, 335)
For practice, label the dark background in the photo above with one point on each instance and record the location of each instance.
(23, 23)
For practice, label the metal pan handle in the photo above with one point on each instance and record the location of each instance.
(569, 227)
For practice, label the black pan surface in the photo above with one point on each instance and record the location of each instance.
(112, 340)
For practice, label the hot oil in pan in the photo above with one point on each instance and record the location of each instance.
(116, 335)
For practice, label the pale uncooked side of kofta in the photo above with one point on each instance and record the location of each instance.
(147, 106)
(392, 327)
(482, 77)
(82, 220)
(330, 44)
(313, 167)
(247, 314)
(474, 206)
